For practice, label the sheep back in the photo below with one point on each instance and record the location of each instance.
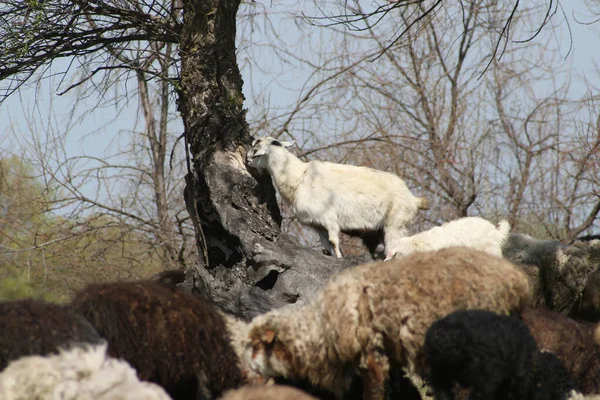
(392, 304)
(272, 392)
(571, 341)
(474, 232)
(30, 327)
(495, 356)
(176, 340)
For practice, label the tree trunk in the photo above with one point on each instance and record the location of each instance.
(246, 264)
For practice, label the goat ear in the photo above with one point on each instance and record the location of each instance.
(254, 142)
(288, 144)
(268, 336)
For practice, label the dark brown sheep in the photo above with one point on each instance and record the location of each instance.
(571, 341)
(34, 327)
(176, 340)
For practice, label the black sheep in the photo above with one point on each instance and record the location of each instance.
(494, 356)
(34, 327)
(176, 340)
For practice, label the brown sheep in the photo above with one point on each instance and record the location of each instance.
(376, 313)
(34, 327)
(573, 342)
(176, 340)
(273, 392)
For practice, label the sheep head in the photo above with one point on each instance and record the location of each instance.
(403, 247)
(266, 353)
(262, 148)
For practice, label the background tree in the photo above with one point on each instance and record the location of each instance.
(134, 190)
(243, 254)
(494, 145)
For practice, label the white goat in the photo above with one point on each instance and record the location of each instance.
(334, 198)
(473, 232)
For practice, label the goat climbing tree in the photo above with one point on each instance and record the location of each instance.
(245, 262)
(244, 258)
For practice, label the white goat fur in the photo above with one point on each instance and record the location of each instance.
(334, 198)
(473, 232)
(75, 374)
(375, 312)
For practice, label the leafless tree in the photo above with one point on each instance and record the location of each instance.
(420, 115)
(423, 111)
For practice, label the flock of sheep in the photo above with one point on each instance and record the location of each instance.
(445, 307)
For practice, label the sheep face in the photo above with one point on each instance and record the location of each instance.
(266, 354)
(258, 155)
(404, 246)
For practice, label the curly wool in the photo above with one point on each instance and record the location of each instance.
(573, 342)
(178, 341)
(30, 327)
(375, 312)
(493, 355)
(75, 374)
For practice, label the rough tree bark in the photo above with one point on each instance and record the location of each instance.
(246, 263)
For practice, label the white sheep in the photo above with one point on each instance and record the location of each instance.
(473, 232)
(334, 198)
(75, 374)
(372, 314)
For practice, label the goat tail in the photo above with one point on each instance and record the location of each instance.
(423, 203)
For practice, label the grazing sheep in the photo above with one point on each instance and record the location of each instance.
(474, 232)
(372, 315)
(495, 356)
(334, 198)
(573, 342)
(75, 374)
(30, 327)
(176, 340)
(273, 392)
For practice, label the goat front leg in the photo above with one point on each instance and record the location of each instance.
(375, 371)
(334, 239)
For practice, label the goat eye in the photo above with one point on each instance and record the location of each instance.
(276, 143)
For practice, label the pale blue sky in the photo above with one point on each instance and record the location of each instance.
(281, 84)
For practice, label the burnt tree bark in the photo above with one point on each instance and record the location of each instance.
(246, 264)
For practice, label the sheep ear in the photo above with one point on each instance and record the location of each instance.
(268, 336)
(288, 144)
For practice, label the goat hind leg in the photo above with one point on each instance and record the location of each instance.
(325, 243)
